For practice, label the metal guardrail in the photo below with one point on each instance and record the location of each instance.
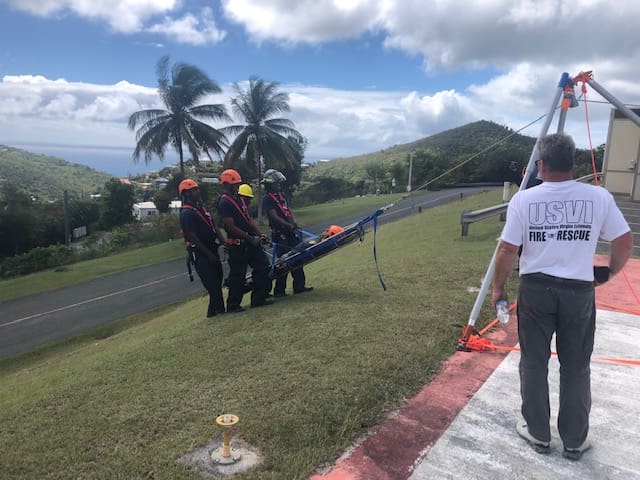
(471, 216)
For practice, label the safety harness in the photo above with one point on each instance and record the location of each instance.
(243, 210)
(203, 214)
(281, 203)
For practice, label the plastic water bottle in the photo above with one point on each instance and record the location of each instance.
(502, 310)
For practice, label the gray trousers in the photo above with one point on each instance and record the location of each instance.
(546, 305)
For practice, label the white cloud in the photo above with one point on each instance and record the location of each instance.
(191, 30)
(303, 21)
(451, 34)
(34, 108)
(132, 16)
(124, 16)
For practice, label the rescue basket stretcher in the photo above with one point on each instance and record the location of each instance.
(299, 257)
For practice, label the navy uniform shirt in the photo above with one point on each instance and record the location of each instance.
(231, 206)
(198, 220)
(276, 201)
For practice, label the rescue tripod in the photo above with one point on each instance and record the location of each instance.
(564, 99)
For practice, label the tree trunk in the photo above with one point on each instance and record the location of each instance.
(180, 155)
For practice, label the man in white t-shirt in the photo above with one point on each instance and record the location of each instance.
(558, 224)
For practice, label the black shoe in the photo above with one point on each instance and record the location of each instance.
(237, 309)
(279, 294)
(304, 289)
(263, 303)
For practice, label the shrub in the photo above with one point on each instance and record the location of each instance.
(36, 259)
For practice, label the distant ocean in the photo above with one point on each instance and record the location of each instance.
(114, 160)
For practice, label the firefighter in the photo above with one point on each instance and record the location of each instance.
(202, 239)
(244, 243)
(284, 230)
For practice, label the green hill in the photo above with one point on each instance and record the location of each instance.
(47, 177)
(437, 153)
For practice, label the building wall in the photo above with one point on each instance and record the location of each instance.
(621, 156)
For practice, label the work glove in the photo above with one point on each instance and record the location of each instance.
(254, 241)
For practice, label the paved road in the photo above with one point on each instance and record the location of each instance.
(26, 323)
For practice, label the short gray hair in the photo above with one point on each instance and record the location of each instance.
(557, 151)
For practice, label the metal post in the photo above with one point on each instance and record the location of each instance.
(615, 102)
(488, 277)
(506, 189)
(561, 120)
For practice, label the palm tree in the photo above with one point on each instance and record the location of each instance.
(262, 138)
(180, 123)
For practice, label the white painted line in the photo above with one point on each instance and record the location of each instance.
(36, 315)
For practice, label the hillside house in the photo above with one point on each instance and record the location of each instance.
(144, 211)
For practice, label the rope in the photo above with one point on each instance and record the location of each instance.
(593, 157)
(619, 361)
(375, 255)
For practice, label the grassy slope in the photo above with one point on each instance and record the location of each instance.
(307, 376)
(342, 208)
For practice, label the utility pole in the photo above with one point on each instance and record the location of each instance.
(410, 170)
(67, 219)
(260, 162)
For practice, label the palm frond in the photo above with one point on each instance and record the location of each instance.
(213, 112)
(237, 148)
(153, 141)
(143, 116)
(208, 137)
(151, 124)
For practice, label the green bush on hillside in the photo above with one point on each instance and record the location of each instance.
(164, 228)
(36, 259)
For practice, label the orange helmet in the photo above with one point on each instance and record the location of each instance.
(186, 184)
(230, 176)
(334, 230)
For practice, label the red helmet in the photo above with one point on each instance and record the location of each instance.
(186, 184)
(334, 230)
(231, 177)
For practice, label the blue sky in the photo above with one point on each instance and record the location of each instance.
(361, 75)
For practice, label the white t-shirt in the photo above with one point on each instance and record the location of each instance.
(558, 225)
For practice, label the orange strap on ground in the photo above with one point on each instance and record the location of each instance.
(619, 308)
(633, 293)
(478, 344)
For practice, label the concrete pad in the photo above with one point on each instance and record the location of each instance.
(201, 461)
(482, 443)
